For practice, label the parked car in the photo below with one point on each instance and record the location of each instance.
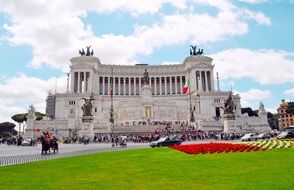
(166, 141)
(263, 136)
(249, 137)
(26, 142)
(286, 134)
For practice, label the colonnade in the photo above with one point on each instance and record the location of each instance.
(204, 81)
(131, 86)
(81, 82)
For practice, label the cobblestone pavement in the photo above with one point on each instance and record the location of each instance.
(10, 155)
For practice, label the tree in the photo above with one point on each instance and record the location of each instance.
(39, 115)
(272, 120)
(22, 117)
(249, 111)
(7, 129)
(19, 118)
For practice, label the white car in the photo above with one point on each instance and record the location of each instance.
(26, 142)
(249, 137)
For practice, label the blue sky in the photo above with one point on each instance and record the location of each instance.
(251, 42)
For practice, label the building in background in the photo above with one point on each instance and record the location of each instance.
(286, 118)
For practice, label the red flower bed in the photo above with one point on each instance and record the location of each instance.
(215, 148)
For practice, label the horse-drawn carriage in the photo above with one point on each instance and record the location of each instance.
(48, 143)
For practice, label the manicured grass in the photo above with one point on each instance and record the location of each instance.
(158, 168)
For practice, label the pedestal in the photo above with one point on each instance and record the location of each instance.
(87, 127)
(146, 93)
(229, 123)
(147, 102)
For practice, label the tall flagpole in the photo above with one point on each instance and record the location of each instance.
(192, 119)
(111, 119)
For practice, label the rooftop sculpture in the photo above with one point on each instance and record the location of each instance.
(194, 51)
(87, 53)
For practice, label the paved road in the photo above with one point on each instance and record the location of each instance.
(10, 155)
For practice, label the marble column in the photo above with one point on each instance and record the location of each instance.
(212, 81)
(181, 84)
(103, 84)
(119, 90)
(135, 86)
(160, 86)
(206, 81)
(72, 82)
(200, 81)
(170, 85)
(124, 87)
(165, 86)
(140, 85)
(176, 84)
(79, 83)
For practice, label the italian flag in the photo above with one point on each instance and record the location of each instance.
(186, 88)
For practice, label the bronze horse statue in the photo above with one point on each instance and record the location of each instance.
(48, 144)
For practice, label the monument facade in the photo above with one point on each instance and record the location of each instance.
(143, 93)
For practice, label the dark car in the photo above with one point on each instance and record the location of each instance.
(264, 136)
(286, 134)
(166, 141)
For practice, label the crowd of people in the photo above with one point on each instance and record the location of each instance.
(18, 141)
(189, 135)
(149, 122)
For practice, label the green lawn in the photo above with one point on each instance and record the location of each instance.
(158, 168)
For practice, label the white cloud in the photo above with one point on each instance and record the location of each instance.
(170, 63)
(258, 16)
(272, 110)
(253, 1)
(289, 92)
(265, 66)
(55, 30)
(253, 97)
(17, 93)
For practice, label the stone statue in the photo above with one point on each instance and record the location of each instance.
(146, 77)
(82, 53)
(198, 52)
(88, 51)
(194, 50)
(87, 107)
(261, 109)
(31, 112)
(229, 105)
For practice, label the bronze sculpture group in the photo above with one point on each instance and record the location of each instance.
(229, 105)
(146, 78)
(88, 53)
(193, 51)
(87, 107)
